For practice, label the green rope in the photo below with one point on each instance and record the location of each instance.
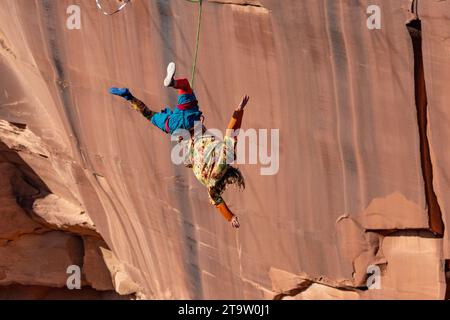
(197, 42)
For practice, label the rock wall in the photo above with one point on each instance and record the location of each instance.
(42, 234)
(355, 176)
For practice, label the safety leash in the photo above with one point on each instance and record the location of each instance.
(199, 24)
(111, 13)
(197, 41)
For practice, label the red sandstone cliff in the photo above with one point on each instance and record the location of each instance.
(363, 174)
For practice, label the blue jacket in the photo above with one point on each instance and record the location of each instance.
(183, 116)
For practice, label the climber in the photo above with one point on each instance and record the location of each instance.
(208, 158)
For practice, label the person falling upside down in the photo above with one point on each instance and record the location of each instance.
(208, 158)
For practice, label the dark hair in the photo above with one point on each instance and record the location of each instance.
(231, 176)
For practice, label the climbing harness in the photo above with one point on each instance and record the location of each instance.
(124, 4)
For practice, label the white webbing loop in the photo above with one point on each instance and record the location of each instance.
(111, 13)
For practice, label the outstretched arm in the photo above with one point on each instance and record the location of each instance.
(222, 207)
(236, 120)
(135, 103)
(230, 216)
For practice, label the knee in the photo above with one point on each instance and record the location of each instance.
(159, 120)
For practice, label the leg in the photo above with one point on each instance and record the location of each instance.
(183, 86)
(135, 103)
(186, 96)
(161, 119)
(138, 105)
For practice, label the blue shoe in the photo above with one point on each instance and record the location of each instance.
(122, 92)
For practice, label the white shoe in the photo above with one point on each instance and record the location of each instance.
(171, 69)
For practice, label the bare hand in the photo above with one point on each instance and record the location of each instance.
(235, 222)
(243, 103)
